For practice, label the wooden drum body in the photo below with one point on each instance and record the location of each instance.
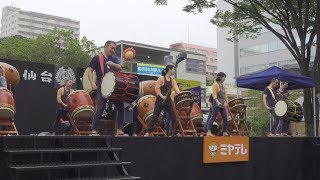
(120, 87)
(11, 74)
(146, 106)
(237, 105)
(148, 88)
(7, 104)
(183, 99)
(80, 105)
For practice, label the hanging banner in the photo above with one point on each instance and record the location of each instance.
(149, 69)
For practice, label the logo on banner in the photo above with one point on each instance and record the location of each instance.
(213, 147)
(63, 74)
(225, 149)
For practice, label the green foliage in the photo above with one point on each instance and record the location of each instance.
(56, 47)
(257, 115)
(209, 82)
(195, 6)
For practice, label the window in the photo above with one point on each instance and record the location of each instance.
(210, 67)
(192, 50)
(214, 53)
(202, 52)
(273, 46)
(281, 45)
(195, 66)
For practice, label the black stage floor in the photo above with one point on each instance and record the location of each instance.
(180, 158)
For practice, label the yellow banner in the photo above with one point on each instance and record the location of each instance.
(225, 149)
(188, 84)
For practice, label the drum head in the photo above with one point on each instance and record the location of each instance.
(85, 81)
(147, 118)
(146, 97)
(280, 108)
(6, 113)
(108, 84)
(83, 113)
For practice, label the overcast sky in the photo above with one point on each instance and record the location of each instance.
(133, 20)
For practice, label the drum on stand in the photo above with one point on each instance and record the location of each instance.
(237, 105)
(80, 105)
(148, 88)
(195, 115)
(146, 106)
(12, 76)
(120, 87)
(7, 104)
(290, 111)
(183, 99)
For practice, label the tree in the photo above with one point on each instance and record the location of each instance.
(56, 47)
(296, 23)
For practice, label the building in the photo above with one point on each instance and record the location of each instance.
(209, 53)
(29, 24)
(251, 55)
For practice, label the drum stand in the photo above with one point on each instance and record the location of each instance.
(185, 123)
(239, 125)
(156, 131)
(79, 127)
(8, 127)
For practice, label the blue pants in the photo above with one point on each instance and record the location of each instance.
(223, 112)
(167, 121)
(101, 105)
(277, 123)
(209, 117)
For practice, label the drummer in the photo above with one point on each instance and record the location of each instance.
(220, 100)
(61, 121)
(3, 81)
(283, 94)
(163, 90)
(269, 100)
(102, 64)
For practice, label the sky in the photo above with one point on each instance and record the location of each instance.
(139, 21)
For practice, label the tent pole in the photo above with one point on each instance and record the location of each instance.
(314, 112)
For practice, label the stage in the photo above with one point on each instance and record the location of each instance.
(150, 158)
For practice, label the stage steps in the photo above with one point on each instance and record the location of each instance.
(61, 157)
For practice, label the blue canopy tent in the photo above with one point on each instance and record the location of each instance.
(261, 79)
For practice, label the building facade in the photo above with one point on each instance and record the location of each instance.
(251, 55)
(209, 53)
(16, 21)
